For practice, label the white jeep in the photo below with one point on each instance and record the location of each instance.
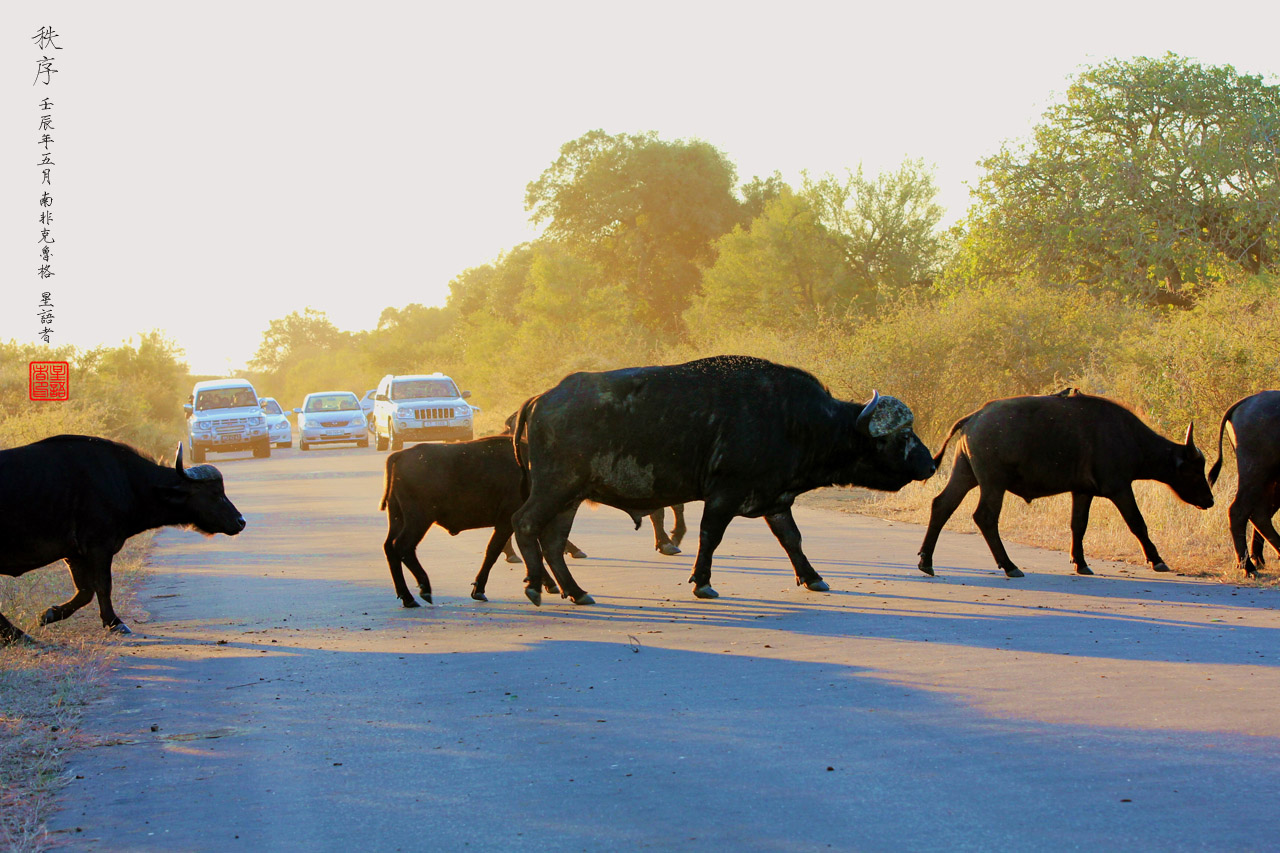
(225, 415)
(420, 407)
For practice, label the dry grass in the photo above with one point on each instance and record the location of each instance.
(1193, 542)
(44, 691)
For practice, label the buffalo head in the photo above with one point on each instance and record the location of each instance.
(896, 455)
(1188, 481)
(199, 501)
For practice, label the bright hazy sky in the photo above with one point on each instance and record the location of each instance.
(220, 165)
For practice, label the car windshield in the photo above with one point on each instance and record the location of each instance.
(333, 403)
(271, 407)
(418, 389)
(226, 398)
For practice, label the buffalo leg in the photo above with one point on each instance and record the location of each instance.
(529, 522)
(498, 542)
(1080, 503)
(1132, 516)
(987, 517)
(944, 506)
(554, 537)
(10, 633)
(95, 567)
(678, 530)
(715, 518)
(662, 543)
(783, 525)
(510, 552)
(83, 595)
(404, 531)
(573, 551)
(1263, 527)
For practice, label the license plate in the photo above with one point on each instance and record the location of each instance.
(227, 439)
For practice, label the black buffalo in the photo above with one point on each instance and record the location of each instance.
(1255, 433)
(78, 498)
(742, 434)
(1034, 447)
(462, 486)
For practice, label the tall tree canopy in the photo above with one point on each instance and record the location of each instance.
(644, 210)
(1151, 175)
(300, 334)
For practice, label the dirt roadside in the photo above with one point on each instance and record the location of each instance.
(280, 699)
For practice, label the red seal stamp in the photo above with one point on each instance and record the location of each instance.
(49, 380)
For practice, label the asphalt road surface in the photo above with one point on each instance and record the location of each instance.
(279, 698)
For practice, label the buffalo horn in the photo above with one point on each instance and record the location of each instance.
(863, 424)
(1190, 441)
(177, 463)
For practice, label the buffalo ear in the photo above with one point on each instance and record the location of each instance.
(173, 495)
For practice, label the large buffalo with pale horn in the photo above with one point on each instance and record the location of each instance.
(1034, 447)
(78, 498)
(743, 435)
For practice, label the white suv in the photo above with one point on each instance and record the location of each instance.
(420, 407)
(225, 415)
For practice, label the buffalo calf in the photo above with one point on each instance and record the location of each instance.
(1255, 434)
(462, 486)
(1034, 447)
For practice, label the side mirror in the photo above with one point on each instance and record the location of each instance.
(297, 411)
(186, 407)
(466, 394)
(382, 397)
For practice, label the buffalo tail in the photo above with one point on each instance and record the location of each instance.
(955, 427)
(386, 487)
(1217, 466)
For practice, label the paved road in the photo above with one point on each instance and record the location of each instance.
(278, 698)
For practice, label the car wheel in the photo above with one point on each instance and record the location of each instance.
(262, 450)
(397, 443)
(303, 446)
(364, 442)
(197, 453)
(379, 441)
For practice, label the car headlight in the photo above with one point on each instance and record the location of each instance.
(357, 420)
(462, 412)
(203, 424)
(256, 421)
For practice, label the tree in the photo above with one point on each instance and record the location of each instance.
(1151, 176)
(784, 269)
(645, 210)
(298, 334)
(888, 226)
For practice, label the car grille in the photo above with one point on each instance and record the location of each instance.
(334, 423)
(230, 425)
(434, 414)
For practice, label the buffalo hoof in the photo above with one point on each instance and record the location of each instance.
(667, 549)
(120, 628)
(925, 567)
(16, 638)
(1160, 567)
(512, 558)
(51, 615)
(1250, 570)
(409, 602)
(551, 588)
(583, 598)
(533, 594)
(578, 554)
(705, 591)
(478, 594)
(1015, 572)
(817, 586)
(426, 596)
(1082, 569)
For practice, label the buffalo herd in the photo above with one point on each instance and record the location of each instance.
(743, 435)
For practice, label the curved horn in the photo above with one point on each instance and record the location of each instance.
(1190, 440)
(177, 462)
(863, 424)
